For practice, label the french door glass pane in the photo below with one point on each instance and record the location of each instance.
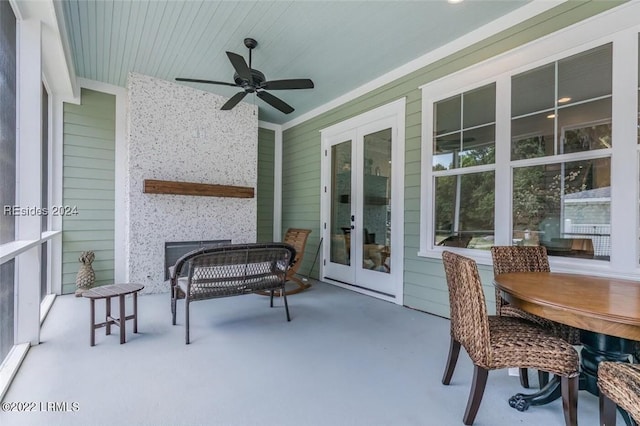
(565, 207)
(341, 203)
(376, 241)
(464, 210)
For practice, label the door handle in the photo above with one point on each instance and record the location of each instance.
(353, 218)
(353, 227)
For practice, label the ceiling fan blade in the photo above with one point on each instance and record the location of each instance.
(195, 80)
(298, 83)
(275, 102)
(240, 66)
(233, 101)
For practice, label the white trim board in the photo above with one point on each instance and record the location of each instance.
(277, 177)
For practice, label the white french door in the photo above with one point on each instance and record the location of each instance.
(362, 202)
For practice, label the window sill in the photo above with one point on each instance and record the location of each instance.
(567, 265)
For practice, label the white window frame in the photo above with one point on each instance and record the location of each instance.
(624, 153)
(459, 171)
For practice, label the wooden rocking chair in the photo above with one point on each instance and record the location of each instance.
(298, 239)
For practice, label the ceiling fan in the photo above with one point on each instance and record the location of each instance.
(254, 81)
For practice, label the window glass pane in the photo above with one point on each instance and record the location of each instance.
(584, 76)
(447, 115)
(479, 106)
(565, 207)
(7, 120)
(472, 145)
(533, 136)
(533, 91)
(7, 170)
(464, 210)
(478, 146)
(7, 293)
(585, 127)
(445, 153)
(581, 114)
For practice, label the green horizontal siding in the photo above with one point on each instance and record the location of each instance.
(424, 284)
(266, 158)
(89, 185)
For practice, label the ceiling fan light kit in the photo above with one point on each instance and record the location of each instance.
(254, 81)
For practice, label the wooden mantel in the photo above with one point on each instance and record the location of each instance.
(152, 186)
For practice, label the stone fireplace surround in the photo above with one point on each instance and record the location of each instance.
(177, 133)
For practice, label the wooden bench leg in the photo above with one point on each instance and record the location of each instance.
(92, 338)
(123, 319)
(135, 312)
(107, 320)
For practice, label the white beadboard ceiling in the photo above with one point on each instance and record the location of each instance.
(340, 45)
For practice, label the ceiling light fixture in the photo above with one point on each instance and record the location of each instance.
(551, 116)
(454, 1)
(564, 100)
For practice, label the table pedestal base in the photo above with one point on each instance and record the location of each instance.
(596, 348)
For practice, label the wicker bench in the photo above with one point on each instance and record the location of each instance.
(229, 270)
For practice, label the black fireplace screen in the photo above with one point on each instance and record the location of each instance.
(174, 250)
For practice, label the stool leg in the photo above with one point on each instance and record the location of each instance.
(107, 305)
(92, 338)
(135, 312)
(123, 320)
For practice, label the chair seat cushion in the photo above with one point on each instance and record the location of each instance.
(621, 383)
(516, 342)
(566, 333)
(231, 286)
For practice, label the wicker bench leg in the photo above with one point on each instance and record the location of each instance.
(286, 305)
(173, 307)
(524, 378)
(186, 321)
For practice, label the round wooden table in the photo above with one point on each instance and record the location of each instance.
(607, 310)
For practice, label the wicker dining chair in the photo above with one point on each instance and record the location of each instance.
(495, 342)
(619, 385)
(508, 259)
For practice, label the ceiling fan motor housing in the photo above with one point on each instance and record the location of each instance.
(258, 80)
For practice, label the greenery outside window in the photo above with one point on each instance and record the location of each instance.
(463, 163)
(563, 109)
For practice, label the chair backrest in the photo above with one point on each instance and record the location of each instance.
(469, 318)
(297, 238)
(240, 263)
(508, 259)
(216, 254)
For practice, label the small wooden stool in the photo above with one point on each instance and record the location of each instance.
(107, 292)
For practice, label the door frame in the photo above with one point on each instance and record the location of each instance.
(394, 110)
